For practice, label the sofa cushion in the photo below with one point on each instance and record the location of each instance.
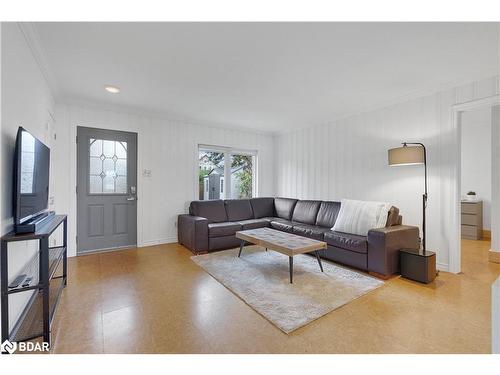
(254, 223)
(347, 257)
(214, 210)
(262, 207)
(282, 224)
(327, 214)
(347, 241)
(306, 211)
(226, 242)
(284, 207)
(223, 229)
(238, 209)
(310, 231)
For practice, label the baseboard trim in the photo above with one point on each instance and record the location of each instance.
(442, 266)
(494, 256)
(159, 241)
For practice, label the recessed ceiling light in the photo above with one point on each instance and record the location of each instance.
(112, 89)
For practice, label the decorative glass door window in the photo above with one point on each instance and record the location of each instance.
(108, 167)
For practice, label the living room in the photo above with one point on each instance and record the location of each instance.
(157, 176)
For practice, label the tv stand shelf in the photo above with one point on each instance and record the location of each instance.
(46, 284)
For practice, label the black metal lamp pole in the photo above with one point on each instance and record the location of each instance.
(424, 197)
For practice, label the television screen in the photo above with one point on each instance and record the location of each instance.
(31, 185)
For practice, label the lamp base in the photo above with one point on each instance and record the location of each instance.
(418, 265)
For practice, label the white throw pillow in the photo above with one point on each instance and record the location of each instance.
(358, 217)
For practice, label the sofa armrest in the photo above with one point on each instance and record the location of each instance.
(192, 232)
(384, 245)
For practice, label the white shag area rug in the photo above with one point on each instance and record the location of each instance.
(261, 279)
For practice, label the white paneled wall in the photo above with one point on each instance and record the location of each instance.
(348, 159)
(167, 148)
(28, 102)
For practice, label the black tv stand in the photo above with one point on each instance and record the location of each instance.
(34, 223)
(48, 269)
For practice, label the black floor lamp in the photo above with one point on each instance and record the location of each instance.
(415, 264)
(411, 154)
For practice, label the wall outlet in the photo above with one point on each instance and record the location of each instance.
(146, 173)
(51, 201)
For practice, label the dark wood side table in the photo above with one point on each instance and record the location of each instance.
(415, 265)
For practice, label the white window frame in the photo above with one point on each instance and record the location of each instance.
(228, 151)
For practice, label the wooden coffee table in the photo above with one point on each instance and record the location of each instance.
(282, 242)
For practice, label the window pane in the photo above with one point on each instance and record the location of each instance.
(121, 167)
(95, 166)
(121, 150)
(108, 148)
(108, 184)
(95, 184)
(210, 174)
(107, 167)
(95, 147)
(241, 176)
(121, 185)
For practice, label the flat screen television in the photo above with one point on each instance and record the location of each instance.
(31, 181)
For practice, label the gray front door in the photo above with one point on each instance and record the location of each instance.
(106, 189)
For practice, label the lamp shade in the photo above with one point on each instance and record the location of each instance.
(406, 155)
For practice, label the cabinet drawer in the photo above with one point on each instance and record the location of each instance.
(469, 219)
(470, 208)
(469, 231)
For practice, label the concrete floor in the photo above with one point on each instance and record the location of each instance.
(156, 300)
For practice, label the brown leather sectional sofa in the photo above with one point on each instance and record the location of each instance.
(211, 225)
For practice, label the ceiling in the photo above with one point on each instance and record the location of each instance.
(264, 76)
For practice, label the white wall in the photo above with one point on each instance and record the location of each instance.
(168, 148)
(26, 101)
(476, 158)
(348, 159)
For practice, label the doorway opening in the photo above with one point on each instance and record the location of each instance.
(477, 165)
(476, 182)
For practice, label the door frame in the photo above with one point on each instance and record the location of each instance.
(136, 135)
(455, 262)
